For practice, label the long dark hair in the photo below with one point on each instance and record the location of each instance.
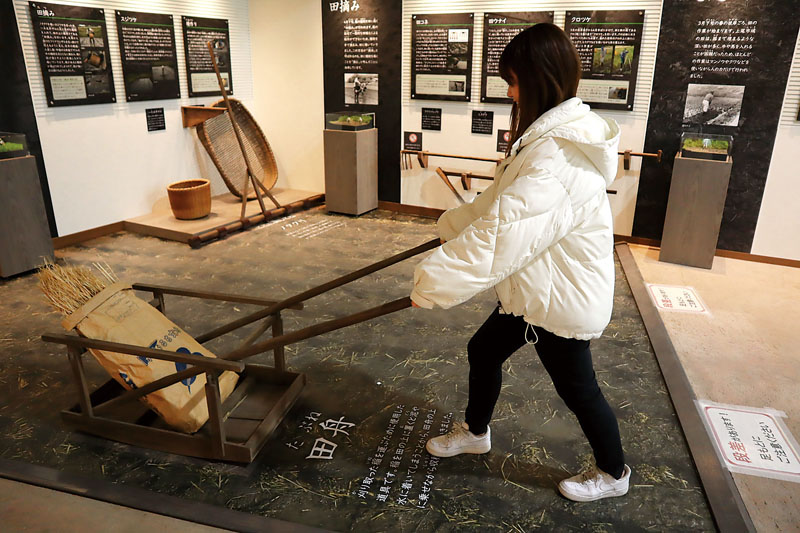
(547, 70)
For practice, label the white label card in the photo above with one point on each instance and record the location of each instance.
(676, 298)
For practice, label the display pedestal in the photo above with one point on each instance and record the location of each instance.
(24, 233)
(694, 211)
(351, 171)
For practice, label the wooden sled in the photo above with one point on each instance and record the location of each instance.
(238, 428)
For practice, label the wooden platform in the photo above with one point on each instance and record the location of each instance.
(225, 209)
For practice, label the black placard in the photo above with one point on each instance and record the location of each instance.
(432, 118)
(155, 119)
(441, 56)
(149, 56)
(609, 44)
(503, 137)
(498, 30)
(196, 33)
(482, 121)
(731, 49)
(363, 40)
(412, 140)
(73, 54)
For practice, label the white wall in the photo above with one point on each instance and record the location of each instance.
(455, 136)
(102, 164)
(778, 228)
(288, 100)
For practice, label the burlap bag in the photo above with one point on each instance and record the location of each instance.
(117, 315)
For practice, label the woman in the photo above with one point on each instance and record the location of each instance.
(541, 236)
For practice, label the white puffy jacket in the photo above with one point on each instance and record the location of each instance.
(541, 234)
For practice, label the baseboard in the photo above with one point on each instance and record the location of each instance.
(86, 235)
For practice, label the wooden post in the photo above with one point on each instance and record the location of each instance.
(215, 422)
(277, 331)
(79, 375)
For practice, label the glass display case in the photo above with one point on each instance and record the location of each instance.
(346, 120)
(12, 145)
(697, 145)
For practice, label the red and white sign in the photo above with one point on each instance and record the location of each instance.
(753, 441)
(673, 298)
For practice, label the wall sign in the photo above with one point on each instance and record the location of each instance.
(721, 68)
(412, 140)
(498, 30)
(441, 56)
(149, 56)
(362, 50)
(73, 54)
(503, 138)
(432, 118)
(196, 33)
(752, 441)
(155, 119)
(609, 44)
(482, 121)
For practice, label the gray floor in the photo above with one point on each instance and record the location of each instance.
(413, 358)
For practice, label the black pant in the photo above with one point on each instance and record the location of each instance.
(569, 363)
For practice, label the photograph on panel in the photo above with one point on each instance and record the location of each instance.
(458, 49)
(601, 59)
(717, 105)
(623, 60)
(90, 36)
(360, 88)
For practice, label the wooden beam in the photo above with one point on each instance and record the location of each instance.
(192, 115)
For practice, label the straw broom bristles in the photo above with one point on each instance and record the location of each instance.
(69, 287)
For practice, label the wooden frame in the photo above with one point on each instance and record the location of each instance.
(239, 427)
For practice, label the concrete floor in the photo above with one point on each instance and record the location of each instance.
(413, 358)
(27, 508)
(744, 352)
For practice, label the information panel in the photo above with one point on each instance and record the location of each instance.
(149, 56)
(609, 44)
(441, 56)
(73, 53)
(196, 33)
(498, 30)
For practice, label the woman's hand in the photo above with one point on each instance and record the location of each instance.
(442, 241)
(413, 304)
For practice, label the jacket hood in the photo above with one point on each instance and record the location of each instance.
(572, 120)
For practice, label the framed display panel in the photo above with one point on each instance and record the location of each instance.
(200, 71)
(441, 56)
(149, 56)
(609, 44)
(73, 53)
(498, 30)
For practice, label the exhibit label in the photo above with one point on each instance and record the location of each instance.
(609, 44)
(196, 33)
(155, 119)
(498, 30)
(441, 56)
(149, 56)
(412, 140)
(432, 118)
(73, 53)
(669, 298)
(482, 122)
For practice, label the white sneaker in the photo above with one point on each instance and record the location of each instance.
(459, 440)
(595, 485)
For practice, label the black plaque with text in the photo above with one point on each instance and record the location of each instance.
(432, 118)
(155, 119)
(441, 56)
(412, 140)
(482, 122)
(609, 44)
(498, 30)
(503, 138)
(73, 52)
(362, 54)
(721, 68)
(149, 56)
(199, 68)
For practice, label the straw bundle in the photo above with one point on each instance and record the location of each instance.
(69, 287)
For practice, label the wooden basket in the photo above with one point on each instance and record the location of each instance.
(190, 199)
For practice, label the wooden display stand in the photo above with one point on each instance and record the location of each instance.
(351, 171)
(694, 211)
(24, 233)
